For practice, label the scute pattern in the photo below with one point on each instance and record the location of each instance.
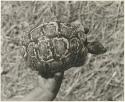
(55, 47)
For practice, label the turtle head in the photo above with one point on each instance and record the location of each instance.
(94, 47)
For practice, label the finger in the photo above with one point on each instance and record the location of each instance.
(59, 75)
(57, 78)
(41, 80)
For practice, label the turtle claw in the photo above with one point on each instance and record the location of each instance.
(96, 47)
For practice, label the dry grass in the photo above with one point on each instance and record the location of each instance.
(101, 79)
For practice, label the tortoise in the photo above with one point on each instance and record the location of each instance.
(55, 46)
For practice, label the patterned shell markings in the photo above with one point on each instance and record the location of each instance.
(55, 47)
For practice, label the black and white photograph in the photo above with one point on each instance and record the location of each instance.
(62, 50)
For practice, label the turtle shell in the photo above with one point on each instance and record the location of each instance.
(55, 47)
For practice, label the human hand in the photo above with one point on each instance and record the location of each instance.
(46, 91)
(51, 85)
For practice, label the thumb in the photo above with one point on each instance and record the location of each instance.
(59, 76)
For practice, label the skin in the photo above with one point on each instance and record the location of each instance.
(46, 90)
